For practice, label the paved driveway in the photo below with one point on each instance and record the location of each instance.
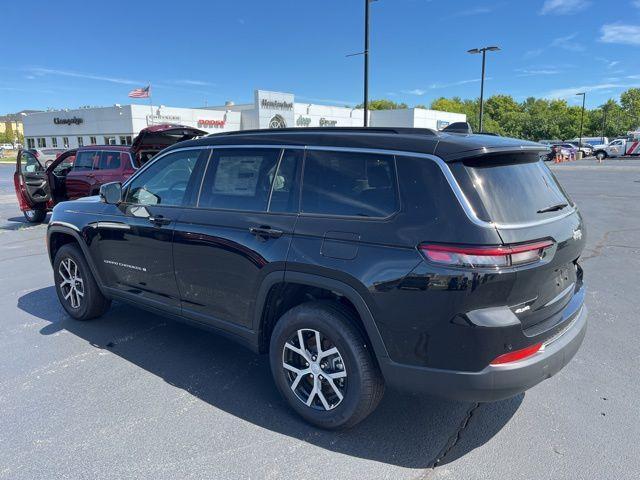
(133, 395)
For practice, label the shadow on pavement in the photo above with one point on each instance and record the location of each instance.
(17, 223)
(405, 430)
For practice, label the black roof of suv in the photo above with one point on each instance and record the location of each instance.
(447, 146)
(438, 262)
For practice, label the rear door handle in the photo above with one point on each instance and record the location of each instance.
(266, 232)
(160, 220)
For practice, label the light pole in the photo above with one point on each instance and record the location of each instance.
(584, 96)
(365, 103)
(604, 120)
(484, 51)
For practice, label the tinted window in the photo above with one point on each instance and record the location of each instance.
(84, 160)
(508, 192)
(110, 160)
(165, 181)
(239, 179)
(285, 184)
(346, 183)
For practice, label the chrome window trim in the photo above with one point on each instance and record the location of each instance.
(453, 183)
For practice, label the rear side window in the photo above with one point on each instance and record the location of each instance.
(239, 179)
(509, 190)
(110, 160)
(84, 160)
(349, 184)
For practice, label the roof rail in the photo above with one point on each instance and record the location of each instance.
(388, 130)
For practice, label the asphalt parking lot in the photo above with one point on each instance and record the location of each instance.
(133, 395)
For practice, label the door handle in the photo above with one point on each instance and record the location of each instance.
(265, 231)
(159, 220)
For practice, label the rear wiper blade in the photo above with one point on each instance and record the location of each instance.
(553, 208)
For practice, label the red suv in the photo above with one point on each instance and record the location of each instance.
(80, 172)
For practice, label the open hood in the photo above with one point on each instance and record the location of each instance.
(161, 136)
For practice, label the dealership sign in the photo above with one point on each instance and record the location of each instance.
(276, 104)
(156, 119)
(303, 121)
(328, 123)
(211, 123)
(68, 121)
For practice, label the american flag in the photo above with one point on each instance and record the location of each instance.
(141, 92)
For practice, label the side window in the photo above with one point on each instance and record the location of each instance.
(285, 183)
(165, 181)
(110, 160)
(84, 161)
(239, 179)
(29, 163)
(349, 184)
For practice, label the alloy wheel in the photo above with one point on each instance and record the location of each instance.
(72, 285)
(314, 369)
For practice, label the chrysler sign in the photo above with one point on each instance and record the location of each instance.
(207, 122)
(68, 121)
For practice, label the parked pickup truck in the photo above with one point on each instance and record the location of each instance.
(80, 172)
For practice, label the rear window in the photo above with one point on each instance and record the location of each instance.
(510, 190)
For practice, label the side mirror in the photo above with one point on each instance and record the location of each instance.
(111, 193)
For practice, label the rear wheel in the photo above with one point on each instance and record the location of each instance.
(77, 290)
(323, 367)
(35, 216)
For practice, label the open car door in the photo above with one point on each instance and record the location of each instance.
(32, 186)
(56, 173)
(152, 139)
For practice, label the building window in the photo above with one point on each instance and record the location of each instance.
(65, 142)
(109, 140)
(128, 139)
(80, 141)
(93, 141)
(54, 142)
(42, 142)
(123, 140)
(31, 143)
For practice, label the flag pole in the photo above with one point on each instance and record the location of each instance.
(150, 102)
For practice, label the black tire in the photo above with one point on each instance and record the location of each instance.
(363, 384)
(601, 155)
(36, 215)
(92, 303)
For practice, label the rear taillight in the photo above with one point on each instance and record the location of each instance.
(486, 257)
(517, 355)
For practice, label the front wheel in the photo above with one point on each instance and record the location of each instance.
(77, 290)
(35, 216)
(323, 367)
(601, 155)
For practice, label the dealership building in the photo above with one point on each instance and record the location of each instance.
(119, 124)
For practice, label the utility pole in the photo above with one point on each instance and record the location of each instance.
(584, 95)
(604, 121)
(366, 63)
(484, 51)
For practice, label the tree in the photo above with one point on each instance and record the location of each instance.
(383, 104)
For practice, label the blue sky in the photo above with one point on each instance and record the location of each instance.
(66, 53)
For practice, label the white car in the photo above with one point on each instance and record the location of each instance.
(6, 146)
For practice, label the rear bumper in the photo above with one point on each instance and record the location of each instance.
(493, 382)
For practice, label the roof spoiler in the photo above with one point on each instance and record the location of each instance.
(458, 127)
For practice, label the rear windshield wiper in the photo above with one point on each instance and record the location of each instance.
(553, 208)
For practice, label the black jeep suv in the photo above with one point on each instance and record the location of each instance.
(438, 262)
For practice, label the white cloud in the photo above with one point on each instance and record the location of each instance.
(568, 93)
(568, 43)
(531, 72)
(415, 91)
(563, 7)
(619, 33)
(67, 73)
(196, 83)
(536, 52)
